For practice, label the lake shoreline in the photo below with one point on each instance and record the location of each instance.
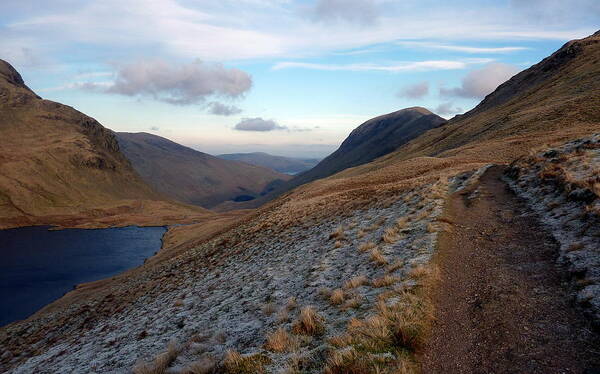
(42, 264)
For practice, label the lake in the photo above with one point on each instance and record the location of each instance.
(38, 266)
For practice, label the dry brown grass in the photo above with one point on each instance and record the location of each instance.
(421, 271)
(280, 341)
(324, 292)
(431, 227)
(339, 233)
(402, 222)
(309, 322)
(377, 257)
(206, 365)
(337, 296)
(398, 264)
(386, 280)
(355, 282)
(360, 234)
(353, 302)
(390, 235)
(338, 244)
(387, 341)
(364, 247)
(235, 363)
(161, 362)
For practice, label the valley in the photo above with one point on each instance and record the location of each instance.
(421, 245)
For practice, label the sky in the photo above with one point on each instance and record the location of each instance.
(286, 77)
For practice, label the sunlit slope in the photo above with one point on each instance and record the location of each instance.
(58, 165)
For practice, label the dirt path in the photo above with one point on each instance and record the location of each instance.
(502, 306)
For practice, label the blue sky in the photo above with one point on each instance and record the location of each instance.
(281, 76)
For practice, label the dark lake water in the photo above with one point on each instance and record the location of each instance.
(37, 266)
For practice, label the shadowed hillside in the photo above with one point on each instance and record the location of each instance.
(374, 138)
(59, 166)
(194, 177)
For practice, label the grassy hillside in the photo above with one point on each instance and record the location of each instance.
(59, 166)
(191, 176)
(336, 275)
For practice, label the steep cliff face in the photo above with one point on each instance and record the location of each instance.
(57, 164)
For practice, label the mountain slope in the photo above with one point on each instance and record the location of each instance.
(343, 252)
(374, 138)
(191, 176)
(287, 165)
(59, 166)
(560, 93)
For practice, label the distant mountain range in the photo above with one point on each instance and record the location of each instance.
(194, 177)
(286, 165)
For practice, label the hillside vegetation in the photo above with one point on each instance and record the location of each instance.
(336, 276)
(59, 166)
(193, 177)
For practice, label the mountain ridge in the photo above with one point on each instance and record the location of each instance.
(60, 166)
(191, 176)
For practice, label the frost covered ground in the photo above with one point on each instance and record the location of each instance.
(234, 300)
(563, 185)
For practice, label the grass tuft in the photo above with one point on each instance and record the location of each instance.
(309, 322)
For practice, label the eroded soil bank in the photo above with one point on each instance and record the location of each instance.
(503, 305)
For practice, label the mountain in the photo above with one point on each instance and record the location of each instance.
(59, 166)
(194, 177)
(560, 93)
(374, 138)
(281, 164)
(345, 274)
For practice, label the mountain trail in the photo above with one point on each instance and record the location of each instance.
(503, 305)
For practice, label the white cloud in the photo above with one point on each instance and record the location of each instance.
(233, 30)
(558, 11)
(447, 109)
(258, 124)
(221, 109)
(479, 83)
(416, 91)
(176, 84)
(460, 48)
(397, 67)
(364, 12)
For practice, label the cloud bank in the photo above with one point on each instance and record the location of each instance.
(179, 85)
(427, 65)
(258, 124)
(221, 109)
(415, 91)
(480, 82)
(446, 109)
